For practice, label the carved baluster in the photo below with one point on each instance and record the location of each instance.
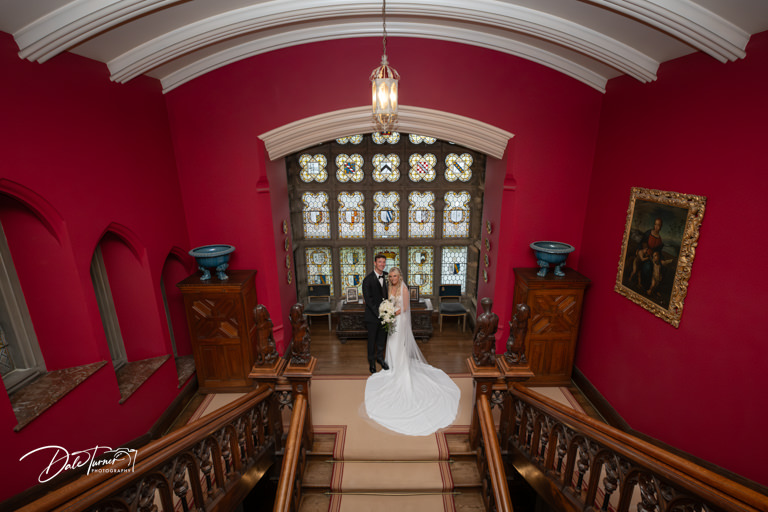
(611, 480)
(180, 485)
(649, 501)
(146, 497)
(582, 464)
(203, 454)
(222, 438)
(546, 428)
(529, 431)
(519, 409)
(241, 443)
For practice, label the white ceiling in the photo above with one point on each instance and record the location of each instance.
(178, 40)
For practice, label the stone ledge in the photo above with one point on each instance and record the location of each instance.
(36, 397)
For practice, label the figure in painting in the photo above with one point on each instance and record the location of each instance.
(518, 328)
(266, 352)
(300, 342)
(484, 339)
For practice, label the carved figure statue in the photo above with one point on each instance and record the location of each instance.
(484, 339)
(266, 353)
(518, 328)
(300, 342)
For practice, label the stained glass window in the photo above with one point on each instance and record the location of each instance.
(392, 253)
(349, 168)
(458, 167)
(386, 215)
(454, 266)
(319, 266)
(422, 167)
(456, 215)
(421, 214)
(388, 137)
(353, 268)
(351, 215)
(317, 219)
(418, 139)
(352, 139)
(420, 267)
(313, 168)
(386, 167)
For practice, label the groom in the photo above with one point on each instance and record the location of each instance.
(375, 291)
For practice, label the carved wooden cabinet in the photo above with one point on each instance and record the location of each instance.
(222, 328)
(352, 325)
(553, 327)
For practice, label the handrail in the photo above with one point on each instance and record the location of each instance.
(217, 448)
(497, 477)
(566, 445)
(293, 451)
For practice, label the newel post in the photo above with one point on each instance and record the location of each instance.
(482, 364)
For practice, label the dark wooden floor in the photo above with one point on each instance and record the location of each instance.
(448, 350)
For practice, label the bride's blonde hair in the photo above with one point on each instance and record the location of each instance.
(399, 281)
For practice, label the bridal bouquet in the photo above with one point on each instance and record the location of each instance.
(387, 315)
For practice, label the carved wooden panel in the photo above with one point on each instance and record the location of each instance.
(216, 318)
(553, 328)
(352, 324)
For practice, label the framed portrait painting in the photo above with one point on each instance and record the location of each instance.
(660, 239)
(351, 295)
(413, 292)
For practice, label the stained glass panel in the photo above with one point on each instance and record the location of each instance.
(422, 167)
(421, 214)
(418, 139)
(392, 254)
(313, 168)
(386, 167)
(458, 167)
(454, 266)
(351, 215)
(456, 215)
(319, 266)
(349, 168)
(420, 266)
(386, 215)
(317, 218)
(352, 139)
(388, 137)
(353, 268)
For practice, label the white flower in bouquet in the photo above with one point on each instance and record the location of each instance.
(387, 315)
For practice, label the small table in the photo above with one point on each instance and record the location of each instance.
(352, 320)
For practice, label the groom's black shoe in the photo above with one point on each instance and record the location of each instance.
(372, 366)
(384, 366)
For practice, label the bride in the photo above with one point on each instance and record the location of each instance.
(412, 397)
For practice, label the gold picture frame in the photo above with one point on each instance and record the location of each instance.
(660, 239)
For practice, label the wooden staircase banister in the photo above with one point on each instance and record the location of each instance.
(287, 483)
(683, 474)
(497, 475)
(95, 487)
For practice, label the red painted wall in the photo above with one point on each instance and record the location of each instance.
(216, 119)
(700, 129)
(81, 153)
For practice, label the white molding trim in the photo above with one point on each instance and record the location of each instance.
(328, 32)
(63, 28)
(689, 22)
(464, 131)
(485, 13)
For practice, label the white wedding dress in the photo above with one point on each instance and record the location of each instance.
(412, 397)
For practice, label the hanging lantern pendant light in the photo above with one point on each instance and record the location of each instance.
(384, 80)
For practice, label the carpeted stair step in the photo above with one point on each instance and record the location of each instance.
(392, 476)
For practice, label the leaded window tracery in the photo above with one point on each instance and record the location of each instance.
(349, 168)
(386, 215)
(432, 214)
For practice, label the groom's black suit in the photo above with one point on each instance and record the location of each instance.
(374, 294)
